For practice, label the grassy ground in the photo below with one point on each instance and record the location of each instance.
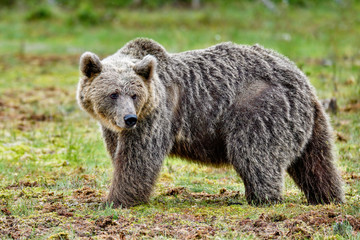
(54, 170)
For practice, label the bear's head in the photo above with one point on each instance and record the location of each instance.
(116, 92)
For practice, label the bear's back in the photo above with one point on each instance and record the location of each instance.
(210, 80)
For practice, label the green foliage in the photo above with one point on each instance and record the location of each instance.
(7, 3)
(41, 12)
(87, 15)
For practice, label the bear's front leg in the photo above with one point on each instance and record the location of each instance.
(111, 140)
(133, 181)
(136, 168)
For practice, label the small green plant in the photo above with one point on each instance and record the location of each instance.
(342, 228)
(24, 207)
(59, 236)
(108, 210)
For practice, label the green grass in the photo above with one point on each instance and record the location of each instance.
(54, 170)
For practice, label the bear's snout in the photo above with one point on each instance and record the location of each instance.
(130, 120)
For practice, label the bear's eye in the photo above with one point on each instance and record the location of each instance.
(134, 96)
(114, 95)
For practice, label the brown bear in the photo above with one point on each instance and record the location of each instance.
(229, 104)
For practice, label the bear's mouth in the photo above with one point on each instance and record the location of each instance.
(121, 126)
(129, 128)
(111, 124)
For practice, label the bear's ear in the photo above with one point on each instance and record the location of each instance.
(90, 64)
(146, 67)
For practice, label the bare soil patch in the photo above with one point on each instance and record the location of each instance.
(25, 109)
(299, 227)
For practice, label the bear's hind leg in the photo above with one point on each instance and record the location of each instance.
(263, 182)
(259, 142)
(260, 170)
(314, 171)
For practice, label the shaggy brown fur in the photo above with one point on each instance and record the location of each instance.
(229, 104)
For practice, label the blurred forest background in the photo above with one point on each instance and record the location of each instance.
(54, 170)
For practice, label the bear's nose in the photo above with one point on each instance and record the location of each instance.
(130, 120)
